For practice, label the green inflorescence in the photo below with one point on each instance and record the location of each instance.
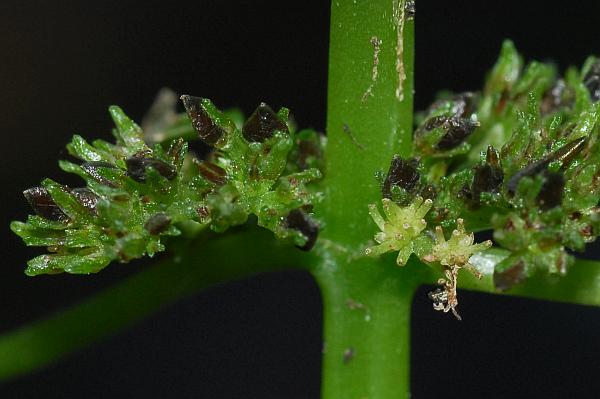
(521, 157)
(402, 229)
(457, 250)
(136, 194)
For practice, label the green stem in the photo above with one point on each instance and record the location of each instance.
(366, 122)
(369, 118)
(367, 328)
(193, 268)
(580, 286)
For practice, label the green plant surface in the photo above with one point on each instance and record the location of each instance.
(519, 157)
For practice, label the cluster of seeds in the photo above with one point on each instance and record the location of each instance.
(146, 187)
(521, 158)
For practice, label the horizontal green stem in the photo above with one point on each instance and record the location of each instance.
(580, 286)
(194, 267)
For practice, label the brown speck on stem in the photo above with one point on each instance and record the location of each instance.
(348, 354)
(348, 131)
(353, 305)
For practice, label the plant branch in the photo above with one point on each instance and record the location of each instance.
(193, 267)
(580, 286)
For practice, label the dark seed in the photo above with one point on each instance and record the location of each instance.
(551, 193)
(492, 157)
(461, 105)
(209, 131)
(262, 124)
(402, 173)
(487, 177)
(213, 173)
(457, 130)
(157, 223)
(436, 121)
(86, 198)
(175, 149)
(530, 170)
(43, 205)
(591, 81)
(569, 151)
(137, 166)
(565, 154)
(93, 169)
(298, 220)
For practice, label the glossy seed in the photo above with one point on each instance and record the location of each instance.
(435, 121)
(137, 167)
(93, 169)
(565, 154)
(86, 198)
(487, 177)
(212, 172)
(402, 173)
(157, 223)
(298, 220)
(262, 124)
(208, 130)
(457, 130)
(43, 205)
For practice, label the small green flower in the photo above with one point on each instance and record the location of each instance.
(401, 230)
(458, 249)
(453, 255)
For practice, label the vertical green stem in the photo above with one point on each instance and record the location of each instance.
(366, 120)
(367, 328)
(367, 301)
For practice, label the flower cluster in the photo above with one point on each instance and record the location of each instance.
(402, 229)
(137, 194)
(521, 157)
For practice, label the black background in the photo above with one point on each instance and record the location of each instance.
(63, 63)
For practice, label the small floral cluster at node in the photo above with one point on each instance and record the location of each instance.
(401, 230)
(453, 255)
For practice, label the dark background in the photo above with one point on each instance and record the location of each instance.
(63, 63)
